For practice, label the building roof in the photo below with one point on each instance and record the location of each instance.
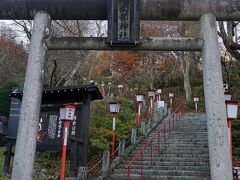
(64, 94)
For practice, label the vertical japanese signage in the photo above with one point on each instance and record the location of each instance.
(123, 22)
(50, 127)
(14, 115)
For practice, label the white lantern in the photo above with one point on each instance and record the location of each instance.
(120, 86)
(140, 98)
(109, 83)
(151, 93)
(114, 107)
(161, 104)
(67, 112)
(232, 109)
(91, 82)
(171, 95)
(196, 99)
(159, 91)
(227, 96)
(102, 84)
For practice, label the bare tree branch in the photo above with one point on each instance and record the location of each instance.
(227, 38)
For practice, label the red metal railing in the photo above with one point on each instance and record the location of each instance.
(165, 128)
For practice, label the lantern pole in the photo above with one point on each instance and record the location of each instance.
(139, 98)
(151, 94)
(151, 105)
(229, 122)
(171, 101)
(139, 115)
(66, 115)
(109, 89)
(159, 91)
(120, 89)
(113, 133)
(196, 106)
(102, 89)
(156, 96)
(196, 99)
(64, 148)
(231, 111)
(171, 104)
(114, 109)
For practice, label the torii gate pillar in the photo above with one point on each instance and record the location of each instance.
(29, 116)
(219, 154)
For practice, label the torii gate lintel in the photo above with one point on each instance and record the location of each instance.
(177, 10)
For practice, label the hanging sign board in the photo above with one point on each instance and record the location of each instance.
(123, 22)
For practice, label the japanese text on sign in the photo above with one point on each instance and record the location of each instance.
(123, 20)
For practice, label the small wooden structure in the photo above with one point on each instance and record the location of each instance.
(50, 129)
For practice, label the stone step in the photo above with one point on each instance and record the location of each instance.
(165, 151)
(173, 149)
(184, 157)
(163, 172)
(189, 168)
(184, 133)
(170, 159)
(166, 163)
(177, 139)
(192, 155)
(181, 143)
(146, 177)
(184, 126)
(190, 133)
(193, 130)
(187, 124)
(185, 148)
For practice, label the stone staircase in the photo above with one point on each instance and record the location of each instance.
(184, 157)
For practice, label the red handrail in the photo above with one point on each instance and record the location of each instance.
(178, 114)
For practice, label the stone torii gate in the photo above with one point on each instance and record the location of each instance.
(42, 11)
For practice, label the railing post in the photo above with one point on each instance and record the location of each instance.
(169, 127)
(105, 162)
(121, 149)
(165, 109)
(143, 129)
(165, 135)
(159, 141)
(82, 173)
(173, 121)
(141, 166)
(178, 117)
(151, 150)
(128, 171)
(133, 136)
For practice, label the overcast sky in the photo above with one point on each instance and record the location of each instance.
(20, 35)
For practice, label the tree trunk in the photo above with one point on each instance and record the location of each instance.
(184, 58)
